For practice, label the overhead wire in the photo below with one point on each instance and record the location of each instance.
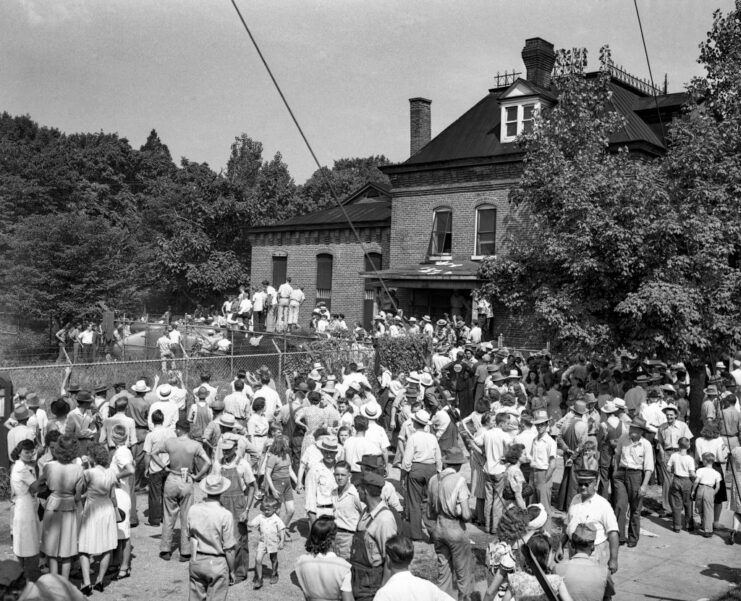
(650, 74)
(321, 169)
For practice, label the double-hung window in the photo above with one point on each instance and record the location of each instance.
(441, 240)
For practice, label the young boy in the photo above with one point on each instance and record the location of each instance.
(707, 483)
(682, 467)
(272, 532)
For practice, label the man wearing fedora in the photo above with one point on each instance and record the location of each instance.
(138, 410)
(635, 397)
(321, 487)
(667, 444)
(543, 452)
(634, 464)
(81, 422)
(448, 509)
(21, 431)
(422, 460)
(210, 530)
(611, 429)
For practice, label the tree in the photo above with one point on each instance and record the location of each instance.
(244, 163)
(274, 195)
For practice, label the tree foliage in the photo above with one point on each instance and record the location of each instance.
(607, 250)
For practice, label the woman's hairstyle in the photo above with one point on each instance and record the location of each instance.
(321, 537)
(540, 549)
(51, 438)
(279, 448)
(258, 404)
(314, 397)
(513, 525)
(514, 452)
(481, 406)
(343, 429)
(99, 454)
(486, 418)
(710, 430)
(319, 432)
(66, 449)
(23, 445)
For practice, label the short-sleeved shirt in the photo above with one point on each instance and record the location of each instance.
(707, 476)
(635, 455)
(379, 526)
(585, 578)
(406, 586)
(681, 465)
(448, 492)
(669, 434)
(495, 442)
(348, 508)
(357, 446)
(280, 466)
(269, 529)
(156, 439)
(212, 526)
(542, 451)
(595, 511)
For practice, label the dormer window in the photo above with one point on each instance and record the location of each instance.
(518, 119)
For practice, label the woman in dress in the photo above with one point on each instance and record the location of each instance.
(122, 464)
(25, 529)
(735, 505)
(310, 418)
(59, 534)
(98, 534)
(320, 573)
(122, 556)
(515, 487)
(59, 411)
(524, 586)
(710, 441)
(279, 475)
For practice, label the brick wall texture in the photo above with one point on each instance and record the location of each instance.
(301, 249)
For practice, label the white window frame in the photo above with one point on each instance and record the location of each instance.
(520, 104)
(441, 256)
(483, 207)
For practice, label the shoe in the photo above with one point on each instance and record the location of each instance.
(632, 543)
(184, 558)
(87, 590)
(154, 524)
(677, 529)
(622, 542)
(99, 586)
(257, 585)
(123, 574)
(691, 528)
(731, 538)
(274, 579)
(165, 555)
(707, 534)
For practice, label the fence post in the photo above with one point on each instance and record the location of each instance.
(231, 355)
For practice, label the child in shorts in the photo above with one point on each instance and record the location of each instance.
(272, 532)
(707, 483)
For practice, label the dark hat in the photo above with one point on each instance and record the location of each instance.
(373, 462)
(10, 572)
(586, 474)
(373, 479)
(301, 387)
(454, 456)
(642, 379)
(84, 396)
(21, 413)
(639, 422)
(73, 387)
(202, 392)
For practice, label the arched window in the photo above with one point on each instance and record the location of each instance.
(486, 231)
(441, 240)
(324, 278)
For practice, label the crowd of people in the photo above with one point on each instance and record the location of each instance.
(477, 435)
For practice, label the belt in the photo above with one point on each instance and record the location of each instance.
(671, 450)
(330, 506)
(345, 530)
(258, 435)
(210, 554)
(142, 427)
(632, 469)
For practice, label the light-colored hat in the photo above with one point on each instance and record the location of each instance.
(140, 386)
(668, 388)
(421, 417)
(454, 456)
(540, 417)
(164, 391)
(514, 374)
(325, 443)
(354, 386)
(442, 322)
(609, 407)
(318, 366)
(227, 420)
(426, 318)
(413, 377)
(619, 403)
(214, 484)
(711, 390)
(720, 365)
(671, 407)
(21, 413)
(329, 386)
(412, 320)
(585, 532)
(371, 410)
(314, 375)
(426, 380)
(580, 407)
(360, 366)
(498, 376)
(32, 401)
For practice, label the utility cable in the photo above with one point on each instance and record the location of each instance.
(650, 74)
(313, 156)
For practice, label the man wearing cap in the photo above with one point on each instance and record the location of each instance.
(588, 506)
(178, 489)
(376, 526)
(206, 383)
(81, 422)
(634, 464)
(585, 579)
(543, 452)
(667, 443)
(321, 487)
(422, 460)
(449, 511)
(210, 530)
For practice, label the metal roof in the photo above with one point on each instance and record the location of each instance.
(378, 210)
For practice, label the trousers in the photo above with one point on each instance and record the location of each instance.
(680, 499)
(293, 312)
(454, 557)
(416, 489)
(209, 579)
(666, 480)
(542, 488)
(493, 505)
(178, 497)
(626, 487)
(156, 484)
(343, 543)
(705, 498)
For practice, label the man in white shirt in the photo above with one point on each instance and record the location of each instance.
(284, 299)
(205, 383)
(295, 301)
(259, 306)
(495, 442)
(238, 403)
(164, 345)
(175, 339)
(376, 434)
(543, 453)
(401, 584)
(169, 409)
(272, 399)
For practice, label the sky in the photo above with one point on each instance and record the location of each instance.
(348, 67)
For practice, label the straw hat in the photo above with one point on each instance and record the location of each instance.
(214, 484)
(141, 386)
(421, 417)
(371, 410)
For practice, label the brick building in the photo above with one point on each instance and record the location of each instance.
(320, 253)
(449, 203)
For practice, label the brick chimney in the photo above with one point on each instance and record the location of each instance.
(420, 124)
(539, 57)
